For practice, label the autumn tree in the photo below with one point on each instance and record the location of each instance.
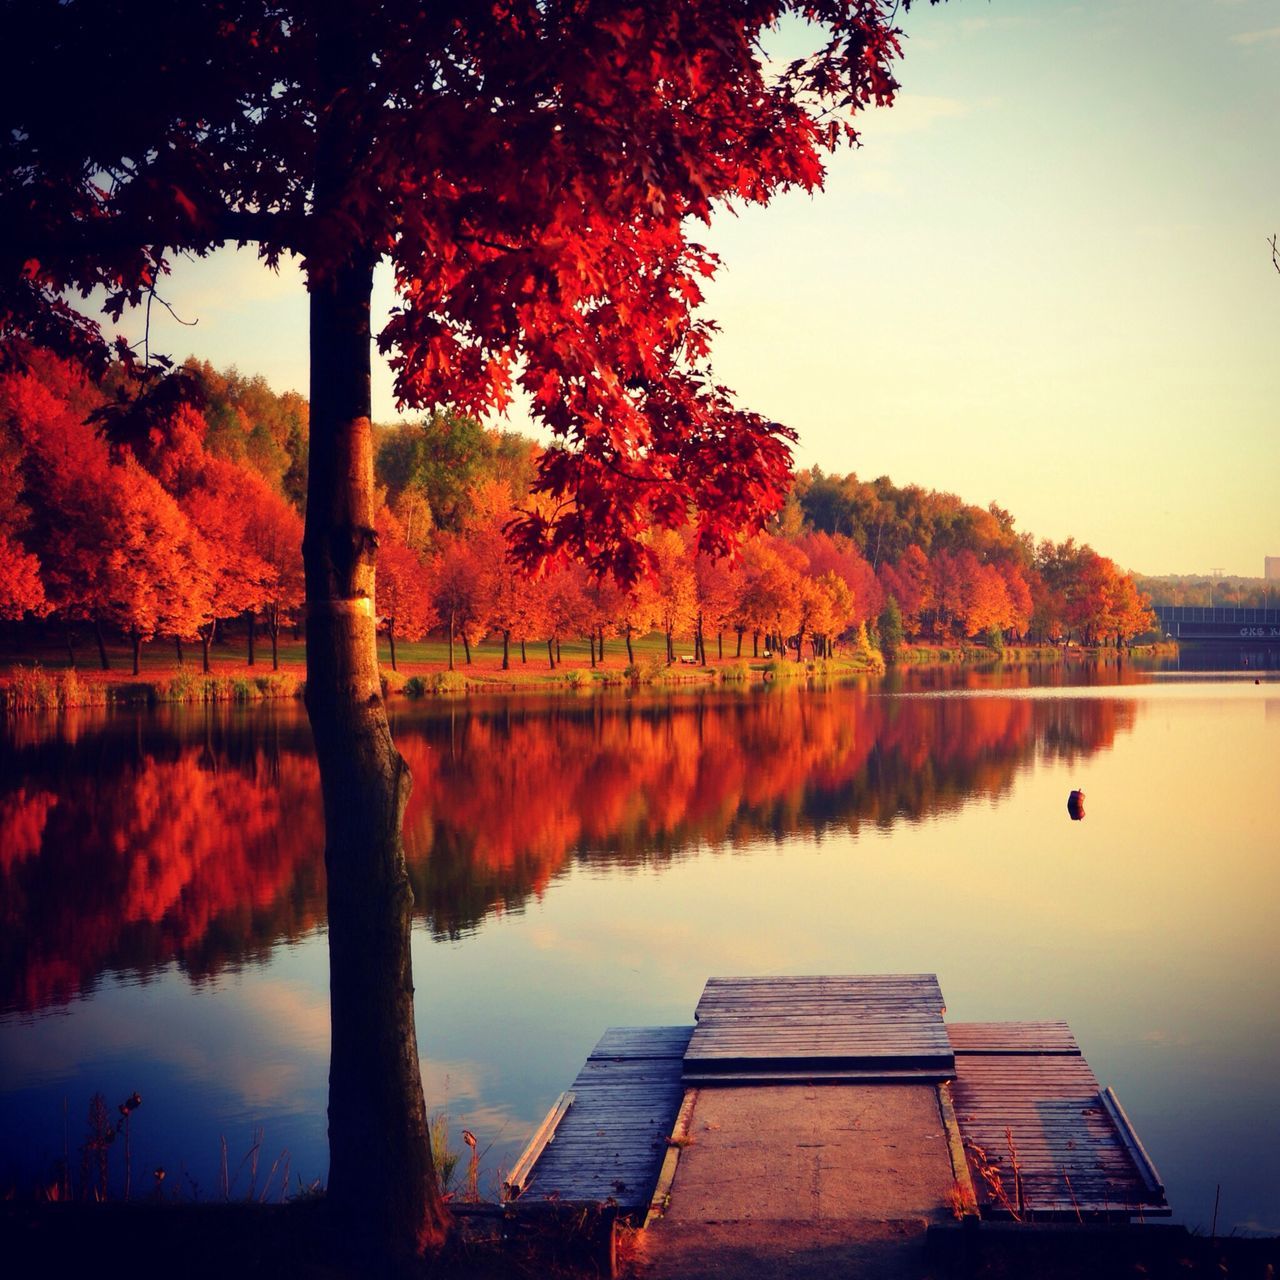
(458, 590)
(403, 601)
(274, 533)
(532, 171)
(675, 585)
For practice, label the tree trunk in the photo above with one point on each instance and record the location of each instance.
(506, 650)
(559, 656)
(391, 639)
(71, 653)
(205, 634)
(551, 654)
(602, 646)
(137, 653)
(466, 645)
(102, 645)
(591, 640)
(182, 657)
(275, 646)
(631, 657)
(524, 657)
(739, 653)
(382, 1183)
(720, 645)
(253, 619)
(450, 639)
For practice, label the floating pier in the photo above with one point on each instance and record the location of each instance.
(838, 1099)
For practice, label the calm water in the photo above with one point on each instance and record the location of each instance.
(581, 863)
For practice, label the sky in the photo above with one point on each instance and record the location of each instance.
(1043, 280)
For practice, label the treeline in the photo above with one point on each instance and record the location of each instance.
(175, 509)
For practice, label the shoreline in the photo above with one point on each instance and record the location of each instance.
(34, 688)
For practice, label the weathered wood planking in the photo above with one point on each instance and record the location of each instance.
(1073, 1156)
(754, 996)
(610, 1143)
(844, 1027)
(1012, 1037)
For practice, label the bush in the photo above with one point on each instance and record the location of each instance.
(993, 637)
(577, 678)
(737, 672)
(448, 682)
(415, 687)
(30, 689)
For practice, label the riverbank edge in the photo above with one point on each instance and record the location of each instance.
(28, 689)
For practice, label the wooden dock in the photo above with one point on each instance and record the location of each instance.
(605, 1138)
(1024, 1095)
(1003, 1094)
(770, 1030)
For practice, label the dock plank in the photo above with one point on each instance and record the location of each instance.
(853, 1027)
(1072, 1155)
(1012, 1038)
(609, 1145)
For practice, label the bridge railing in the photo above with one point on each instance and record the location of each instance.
(1226, 614)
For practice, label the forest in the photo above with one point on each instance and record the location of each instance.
(174, 511)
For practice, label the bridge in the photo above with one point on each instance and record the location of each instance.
(1195, 624)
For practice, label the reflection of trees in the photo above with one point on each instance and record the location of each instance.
(152, 841)
(197, 837)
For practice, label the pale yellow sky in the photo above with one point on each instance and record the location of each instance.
(1044, 281)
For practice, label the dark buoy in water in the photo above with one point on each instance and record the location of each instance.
(1075, 805)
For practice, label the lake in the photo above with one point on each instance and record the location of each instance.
(584, 861)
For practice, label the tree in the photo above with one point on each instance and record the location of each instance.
(531, 170)
(403, 601)
(890, 628)
(676, 586)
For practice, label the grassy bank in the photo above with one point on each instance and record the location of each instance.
(46, 681)
(924, 655)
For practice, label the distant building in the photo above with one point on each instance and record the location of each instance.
(1272, 573)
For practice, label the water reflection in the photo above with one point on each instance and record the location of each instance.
(128, 842)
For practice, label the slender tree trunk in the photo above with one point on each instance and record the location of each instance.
(391, 639)
(450, 639)
(720, 645)
(631, 656)
(524, 657)
(591, 640)
(275, 645)
(102, 645)
(755, 644)
(506, 650)
(382, 1185)
(206, 633)
(466, 645)
(739, 652)
(71, 653)
(137, 653)
(559, 656)
(182, 657)
(671, 649)
(551, 654)
(602, 646)
(253, 619)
